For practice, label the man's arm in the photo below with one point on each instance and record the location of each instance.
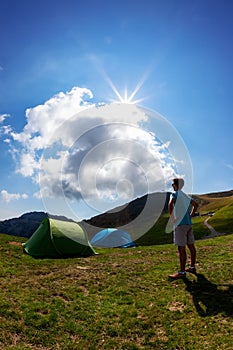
(194, 205)
(171, 209)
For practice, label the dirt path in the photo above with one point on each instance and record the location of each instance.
(213, 232)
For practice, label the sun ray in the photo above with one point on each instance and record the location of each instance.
(114, 89)
(138, 86)
(125, 97)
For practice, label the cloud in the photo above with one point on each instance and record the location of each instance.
(8, 197)
(76, 150)
(42, 121)
(104, 155)
(4, 129)
(3, 117)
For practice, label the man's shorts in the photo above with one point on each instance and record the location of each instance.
(183, 235)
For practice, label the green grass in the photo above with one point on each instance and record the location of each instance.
(214, 203)
(157, 234)
(199, 229)
(118, 299)
(222, 220)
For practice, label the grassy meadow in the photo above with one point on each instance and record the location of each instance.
(118, 299)
(121, 298)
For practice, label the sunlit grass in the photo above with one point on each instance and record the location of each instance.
(222, 220)
(118, 299)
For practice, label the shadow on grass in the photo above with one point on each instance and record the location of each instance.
(209, 298)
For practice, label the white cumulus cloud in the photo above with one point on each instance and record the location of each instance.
(4, 129)
(104, 154)
(79, 151)
(42, 121)
(3, 117)
(8, 197)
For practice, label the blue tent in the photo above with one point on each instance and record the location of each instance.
(112, 237)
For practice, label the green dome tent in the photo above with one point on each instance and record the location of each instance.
(56, 238)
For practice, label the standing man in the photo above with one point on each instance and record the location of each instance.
(181, 209)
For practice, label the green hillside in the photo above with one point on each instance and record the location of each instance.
(222, 220)
(214, 201)
(118, 299)
(222, 206)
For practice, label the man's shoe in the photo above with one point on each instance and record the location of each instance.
(178, 275)
(191, 270)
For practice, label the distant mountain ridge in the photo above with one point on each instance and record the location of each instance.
(26, 224)
(219, 194)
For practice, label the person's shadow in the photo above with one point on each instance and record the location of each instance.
(209, 298)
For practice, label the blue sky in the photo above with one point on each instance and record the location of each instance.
(179, 52)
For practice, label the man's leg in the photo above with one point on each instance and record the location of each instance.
(192, 254)
(180, 241)
(183, 257)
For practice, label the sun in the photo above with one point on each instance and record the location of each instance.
(126, 97)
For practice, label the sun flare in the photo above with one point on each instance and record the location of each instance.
(126, 97)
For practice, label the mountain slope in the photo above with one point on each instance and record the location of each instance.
(26, 224)
(125, 216)
(214, 201)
